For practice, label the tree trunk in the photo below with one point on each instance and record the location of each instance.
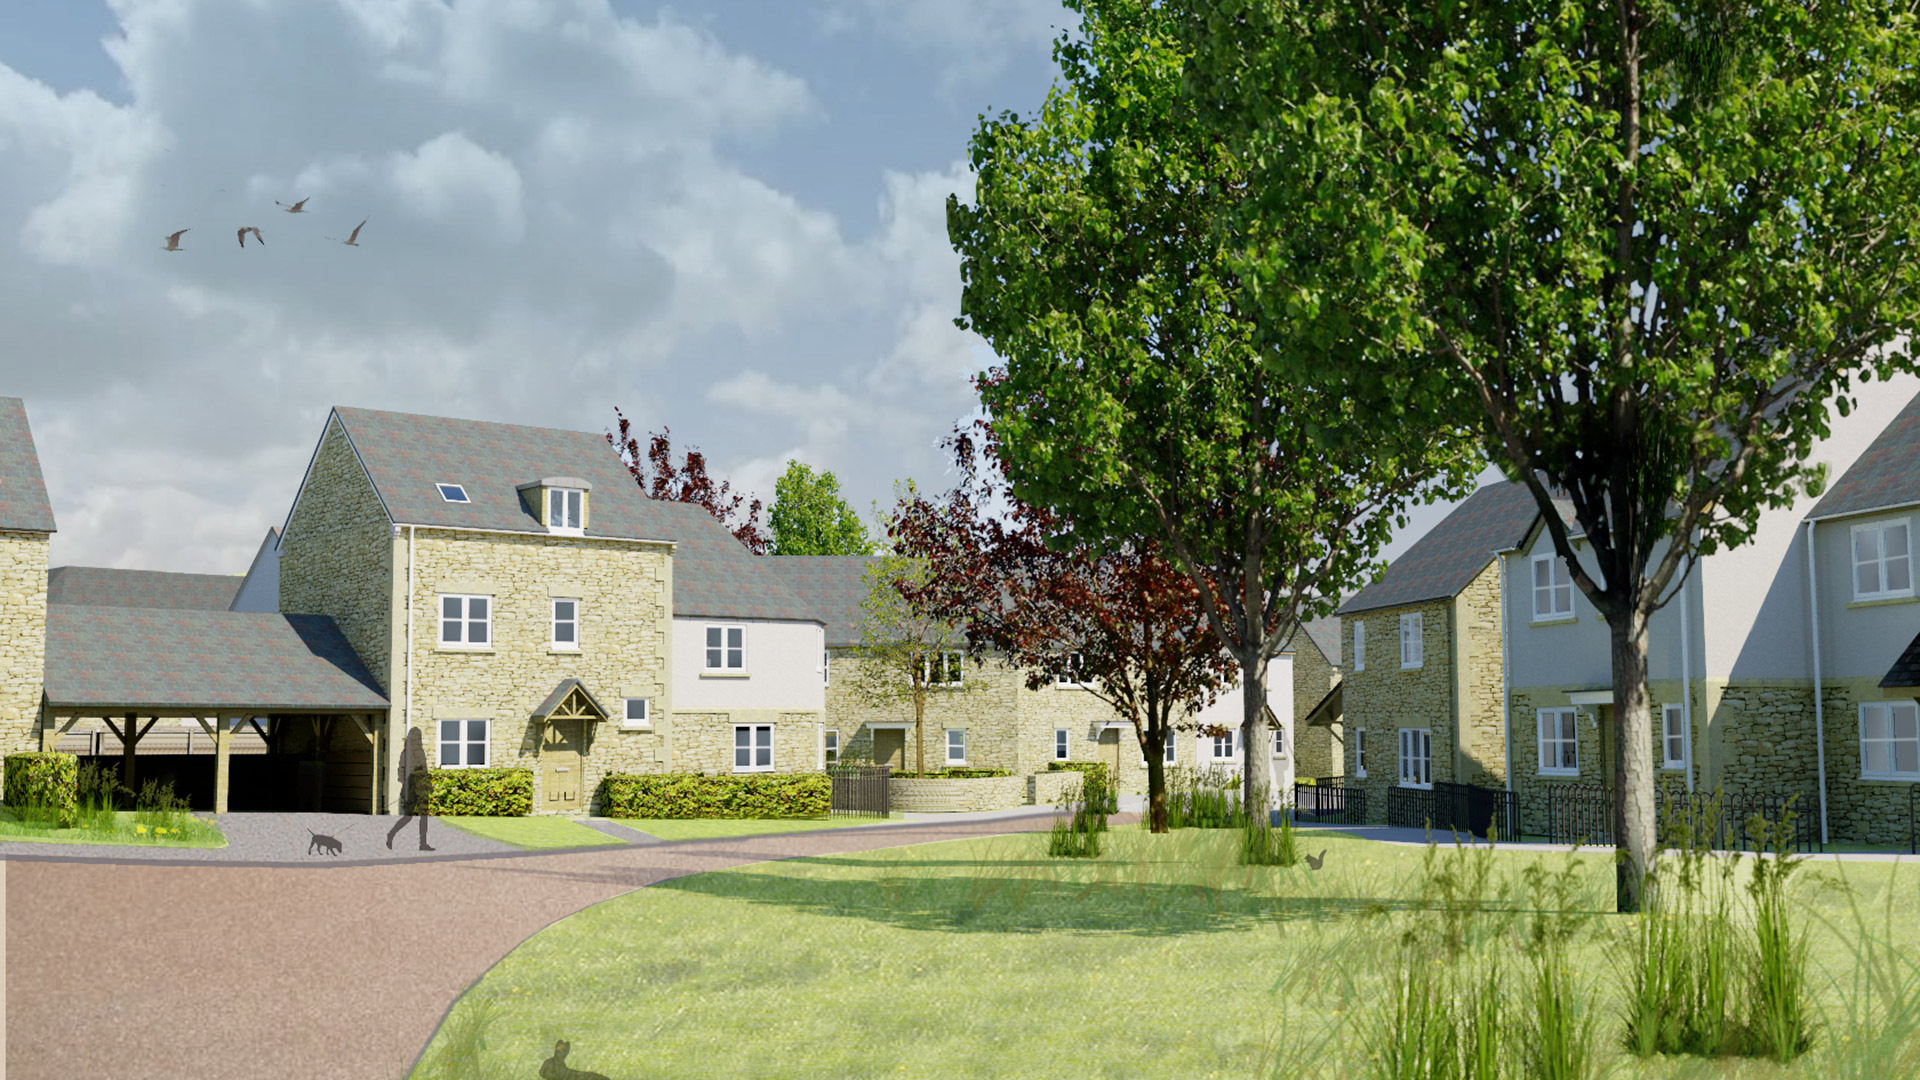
(1632, 759)
(1253, 699)
(1157, 779)
(919, 734)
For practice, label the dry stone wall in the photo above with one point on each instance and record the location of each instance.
(337, 556)
(23, 638)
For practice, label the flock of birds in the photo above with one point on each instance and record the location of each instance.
(353, 240)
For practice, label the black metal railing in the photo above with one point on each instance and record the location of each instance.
(1583, 814)
(1449, 807)
(860, 790)
(1330, 802)
(1913, 820)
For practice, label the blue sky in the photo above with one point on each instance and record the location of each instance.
(727, 218)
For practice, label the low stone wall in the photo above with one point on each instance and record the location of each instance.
(1048, 788)
(937, 795)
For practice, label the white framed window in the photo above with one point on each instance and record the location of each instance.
(1410, 642)
(1881, 563)
(452, 493)
(1889, 740)
(726, 648)
(1416, 757)
(1552, 588)
(1673, 736)
(564, 508)
(944, 668)
(466, 621)
(1223, 746)
(1072, 671)
(753, 748)
(566, 624)
(463, 744)
(1360, 753)
(826, 668)
(1559, 743)
(956, 746)
(1060, 744)
(833, 747)
(636, 713)
(1359, 646)
(1170, 748)
(1279, 742)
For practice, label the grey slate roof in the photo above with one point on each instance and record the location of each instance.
(1325, 633)
(172, 659)
(99, 586)
(830, 589)
(1906, 670)
(23, 491)
(1447, 559)
(560, 694)
(713, 574)
(1884, 476)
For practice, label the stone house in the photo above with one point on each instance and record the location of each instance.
(1421, 689)
(1318, 703)
(26, 526)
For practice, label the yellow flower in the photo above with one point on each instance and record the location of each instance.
(140, 828)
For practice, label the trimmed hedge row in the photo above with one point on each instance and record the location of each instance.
(686, 795)
(477, 793)
(43, 779)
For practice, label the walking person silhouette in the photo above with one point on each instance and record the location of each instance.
(415, 789)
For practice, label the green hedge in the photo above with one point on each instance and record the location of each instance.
(1095, 773)
(950, 774)
(43, 779)
(478, 792)
(684, 795)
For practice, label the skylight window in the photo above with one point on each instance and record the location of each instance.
(453, 493)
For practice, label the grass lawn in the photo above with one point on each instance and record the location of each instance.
(531, 833)
(1162, 958)
(123, 827)
(722, 828)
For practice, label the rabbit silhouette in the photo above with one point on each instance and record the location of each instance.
(556, 1067)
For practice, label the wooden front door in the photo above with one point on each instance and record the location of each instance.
(890, 748)
(1112, 750)
(560, 765)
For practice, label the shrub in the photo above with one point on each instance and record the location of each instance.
(685, 795)
(1263, 844)
(99, 788)
(477, 793)
(47, 782)
(1096, 779)
(1079, 836)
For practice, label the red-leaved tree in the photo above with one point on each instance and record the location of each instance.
(689, 483)
(1134, 618)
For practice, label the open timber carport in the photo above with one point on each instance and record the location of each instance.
(292, 680)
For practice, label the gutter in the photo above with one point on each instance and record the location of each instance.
(1686, 687)
(1819, 707)
(525, 532)
(407, 721)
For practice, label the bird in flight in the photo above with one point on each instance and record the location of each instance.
(295, 208)
(257, 238)
(353, 240)
(173, 242)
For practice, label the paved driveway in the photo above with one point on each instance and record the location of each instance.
(139, 969)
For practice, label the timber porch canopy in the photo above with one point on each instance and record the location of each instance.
(132, 666)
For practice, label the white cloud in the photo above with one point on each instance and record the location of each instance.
(974, 37)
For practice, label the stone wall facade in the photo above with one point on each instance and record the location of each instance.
(915, 795)
(23, 638)
(1384, 698)
(704, 742)
(1317, 750)
(336, 558)
(1479, 667)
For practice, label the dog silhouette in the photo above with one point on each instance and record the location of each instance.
(556, 1067)
(321, 842)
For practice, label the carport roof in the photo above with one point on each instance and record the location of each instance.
(100, 586)
(172, 660)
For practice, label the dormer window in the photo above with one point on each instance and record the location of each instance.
(563, 508)
(558, 502)
(453, 493)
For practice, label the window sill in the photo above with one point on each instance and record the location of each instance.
(1883, 601)
(1559, 774)
(553, 530)
(1889, 778)
(483, 649)
(1680, 768)
(763, 768)
(569, 650)
(1417, 787)
(724, 675)
(1555, 620)
(1411, 667)
(647, 726)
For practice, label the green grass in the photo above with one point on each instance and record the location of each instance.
(530, 833)
(123, 827)
(724, 828)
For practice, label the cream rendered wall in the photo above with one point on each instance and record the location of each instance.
(783, 667)
(1227, 711)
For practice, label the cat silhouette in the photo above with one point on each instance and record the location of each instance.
(320, 842)
(556, 1067)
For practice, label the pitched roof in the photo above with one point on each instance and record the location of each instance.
(406, 455)
(560, 692)
(1905, 670)
(100, 586)
(23, 492)
(1447, 559)
(172, 659)
(1324, 632)
(830, 589)
(1884, 475)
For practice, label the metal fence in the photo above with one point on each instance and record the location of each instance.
(1450, 807)
(1913, 820)
(1328, 801)
(860, 790)
(1583, 814)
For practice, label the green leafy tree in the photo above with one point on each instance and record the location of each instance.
(1643, 245)
(810, 518)
(1143, 398)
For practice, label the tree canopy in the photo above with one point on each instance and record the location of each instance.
(688, 482)
(810, 518)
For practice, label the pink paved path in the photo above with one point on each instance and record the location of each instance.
(126, 972)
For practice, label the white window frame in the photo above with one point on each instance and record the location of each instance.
(1223, 742)
(952, 661)
(1279, 741)
(962, 759)
(830, 740)
(826, 667)
(1673, 727)
(1059, 744)
(645, 709)
(572, 509)
(725, 647)
(1071, 678)
(464, 739)
(1412, 647)
(1359, 645)
(1554, 590)
(459, 488)
(465, 620)
(1416, 757)
(755, 744)
(1360, 753)
(1883, 559)
(558, 622)
(1889, 740)
(1558, 741)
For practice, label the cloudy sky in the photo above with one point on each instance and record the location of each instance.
(723, 217)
